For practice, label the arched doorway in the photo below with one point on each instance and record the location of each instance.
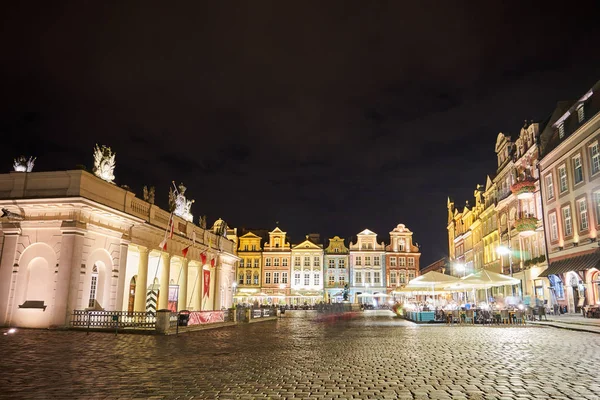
(131, 300)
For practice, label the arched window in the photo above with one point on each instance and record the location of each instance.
(248, 278)
(256, 278)
(93, 286)
(241, 279)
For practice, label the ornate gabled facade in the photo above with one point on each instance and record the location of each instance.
(336, 265)
(307, 272)
(276, 264)
(570, 177)
(81, 242)
(249, 268)
(367, 268)
(401, 258)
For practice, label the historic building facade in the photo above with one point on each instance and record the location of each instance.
(277, 261)
(367, 268)
(401, 258)
(249, 270)
(72, 240)
(570, 172)
(336, 267)
(307, 272)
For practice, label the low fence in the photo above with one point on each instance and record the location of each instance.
(112, 319)
(263, 313)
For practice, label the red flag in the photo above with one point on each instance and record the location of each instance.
(185, 251)
(163, 245)
(203, 257)
(206, 275)
(212, 262)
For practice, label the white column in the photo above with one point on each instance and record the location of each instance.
(7, 261)
(216, 289)
(65, 273)
(183, 282)
(163, 297)
(197, 295)
(141, 282)
(77, 271)
(122, 273)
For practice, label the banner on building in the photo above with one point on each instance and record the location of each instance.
(173, 297)
(206, 317)
(206, 283)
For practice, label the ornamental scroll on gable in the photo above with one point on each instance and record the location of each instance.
(179, 204)
(104, 163)
(23, 164)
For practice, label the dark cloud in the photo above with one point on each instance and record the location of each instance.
(330, 117)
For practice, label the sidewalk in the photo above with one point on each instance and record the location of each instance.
(574, 322)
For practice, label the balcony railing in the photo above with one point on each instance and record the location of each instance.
(112, 319)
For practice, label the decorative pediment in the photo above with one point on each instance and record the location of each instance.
(501, 141)
(306, 245)
(367, 232)
(400, 228)
(250, 235)
(276, 231)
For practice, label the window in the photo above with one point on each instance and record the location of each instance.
(411, 276)
(392, 261)
(306, 279)
(268, 278)
(357, 278)
(284, 262)
(377, 278)
(297, 279)
(317, 279)
(367, 277)
(393, 278)
(580, 113)
(402, 277)
(276, 277)
(245, 247)
(367, 260)
(284, 277)
(332, 263)
(276, 262)
(256, 263)
(331, 279)
(277, 242)
(358, 260)
(595, 157)
(401, 261)
(553, 227)
(411, 262)
(583, 215)
(296, 261)
(93, 287)
(567, 223)
(241, 279)
(561, 131)
(342, 280)
(267, 262)
(376, 260)
(549, 187)
(248, 278)
(342, 263)
(577, 169)
(317, 261)
(401, 245)
(562, 177)
(307, 261)
(256, 279)
(242, 263)
(253, 247)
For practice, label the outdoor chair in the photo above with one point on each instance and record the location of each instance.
(529, 314)
(456, 316)
(469, 317)
(504, 317)
(519, 318)
(542, 313)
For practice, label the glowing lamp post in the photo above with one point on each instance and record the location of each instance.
(462, 268)
(503, 251)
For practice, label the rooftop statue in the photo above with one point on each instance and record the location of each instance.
(149, 194)
(22, 164)
(179, 204)
(104, 163)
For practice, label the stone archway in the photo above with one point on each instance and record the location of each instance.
(35, 286)
(99, 268)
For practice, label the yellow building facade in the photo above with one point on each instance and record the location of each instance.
(249, 270)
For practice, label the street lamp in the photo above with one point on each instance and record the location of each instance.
(462, 267)
(503, 251)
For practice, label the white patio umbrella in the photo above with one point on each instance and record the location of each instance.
(486, 279)
(432, 280)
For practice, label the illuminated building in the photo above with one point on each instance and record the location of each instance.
(570, 172)
(401, 258)
(276, 266)
(307, 272)
(336, 269)
(367, 268)
(249, 268)
(74, 241)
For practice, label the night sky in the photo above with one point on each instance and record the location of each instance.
(329, 117)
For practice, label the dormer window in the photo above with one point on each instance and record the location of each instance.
(561, 131)
(580, 113)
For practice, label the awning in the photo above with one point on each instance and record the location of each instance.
(577, 263)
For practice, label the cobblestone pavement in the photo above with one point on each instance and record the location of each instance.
(298, 357)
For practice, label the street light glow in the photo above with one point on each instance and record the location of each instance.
(503, 250)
